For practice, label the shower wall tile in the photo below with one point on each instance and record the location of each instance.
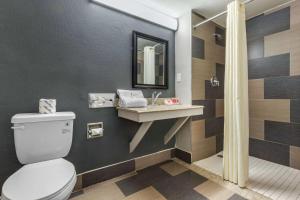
(295, 110)
(255, 48)
(215, 53)
(274, 152)
(198, 48)
(219, 143)
(221, 41)
(214, 126)
(278, 43)
(209, 109)
(220, 72)
(256, 88)
(270, 109)
(201, 70)
(213, 92)
(219, 107)
(285, 133)
(269, 66)
(257, 129)
(262, 25)
(286, 87)
(198, 130)
(295, 157)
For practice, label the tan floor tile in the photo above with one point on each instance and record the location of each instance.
(173, 168)
(213, 191)
(148, 193)
(107, 191)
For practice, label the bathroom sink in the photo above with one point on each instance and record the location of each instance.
(152, 113)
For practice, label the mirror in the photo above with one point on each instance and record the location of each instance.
(150, 61)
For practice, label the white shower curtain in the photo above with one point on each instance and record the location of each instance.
(149, 65)
(236, 125)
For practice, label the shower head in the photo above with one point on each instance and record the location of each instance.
(218, 36)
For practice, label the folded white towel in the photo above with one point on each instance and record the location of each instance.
(128, 102)
(130, 93)
(131, 99)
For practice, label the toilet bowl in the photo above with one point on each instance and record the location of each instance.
(47, 180)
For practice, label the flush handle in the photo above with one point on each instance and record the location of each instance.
(17, 127)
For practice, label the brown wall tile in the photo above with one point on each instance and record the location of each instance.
(256, 89)
(219, 107)
(295, 157)
(152, 159)
(256, 129)
(270, 109)
(198, 130)
(204, 148)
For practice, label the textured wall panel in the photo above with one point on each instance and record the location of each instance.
(256, 89)
(198, 50)
(270, 151)
(270, 66)
(286, 87)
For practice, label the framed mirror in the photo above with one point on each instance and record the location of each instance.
(150, 62)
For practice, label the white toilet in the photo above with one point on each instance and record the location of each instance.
(41, 142)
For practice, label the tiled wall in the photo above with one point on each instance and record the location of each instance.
(208, 60)
(274, 85)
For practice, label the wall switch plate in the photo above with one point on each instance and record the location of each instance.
(178, 77)
(102, 100)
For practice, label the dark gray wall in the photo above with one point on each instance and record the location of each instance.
(64, 50)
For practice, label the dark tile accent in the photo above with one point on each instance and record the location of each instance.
(219, 143)
(213, 92)
(295, 110)
(220, 73)
(214, 126)
(220, 41)
(256, 48)
(198, 50)
(274, 152)
(287, 87)
(285, 133)
(278, 65)
(183, 155)
(107, 173)
(236, 197)
(171, 187)
(262, 25)
(209, 109)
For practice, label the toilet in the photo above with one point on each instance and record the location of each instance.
(41, 142)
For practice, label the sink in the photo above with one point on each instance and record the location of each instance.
(151, 113)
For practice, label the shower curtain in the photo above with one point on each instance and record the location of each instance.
(149, 65)
(236, 116)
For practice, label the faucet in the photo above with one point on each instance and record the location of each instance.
(154, 98)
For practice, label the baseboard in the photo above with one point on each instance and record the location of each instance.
(108, 172)
(183, 155)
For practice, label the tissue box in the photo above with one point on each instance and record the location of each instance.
(47, 106)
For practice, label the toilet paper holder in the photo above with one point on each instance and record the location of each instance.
(94, 130)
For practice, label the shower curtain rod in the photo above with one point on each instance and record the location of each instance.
(225, 12)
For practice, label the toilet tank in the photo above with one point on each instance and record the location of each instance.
(41, 137)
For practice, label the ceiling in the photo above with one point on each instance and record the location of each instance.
(208, 8)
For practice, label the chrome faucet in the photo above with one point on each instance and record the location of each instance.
(154, 98)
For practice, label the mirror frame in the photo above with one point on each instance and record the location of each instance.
(135, 37)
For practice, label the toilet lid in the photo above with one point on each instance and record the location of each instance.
(39, 180)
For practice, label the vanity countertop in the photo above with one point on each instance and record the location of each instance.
(159, 112)
(159, 108)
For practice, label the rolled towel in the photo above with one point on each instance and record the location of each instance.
(47, 106)
(128, 102)
(130, 93)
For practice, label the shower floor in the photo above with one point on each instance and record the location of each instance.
(270, 179)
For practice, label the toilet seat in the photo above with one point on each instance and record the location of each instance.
(41, 181)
